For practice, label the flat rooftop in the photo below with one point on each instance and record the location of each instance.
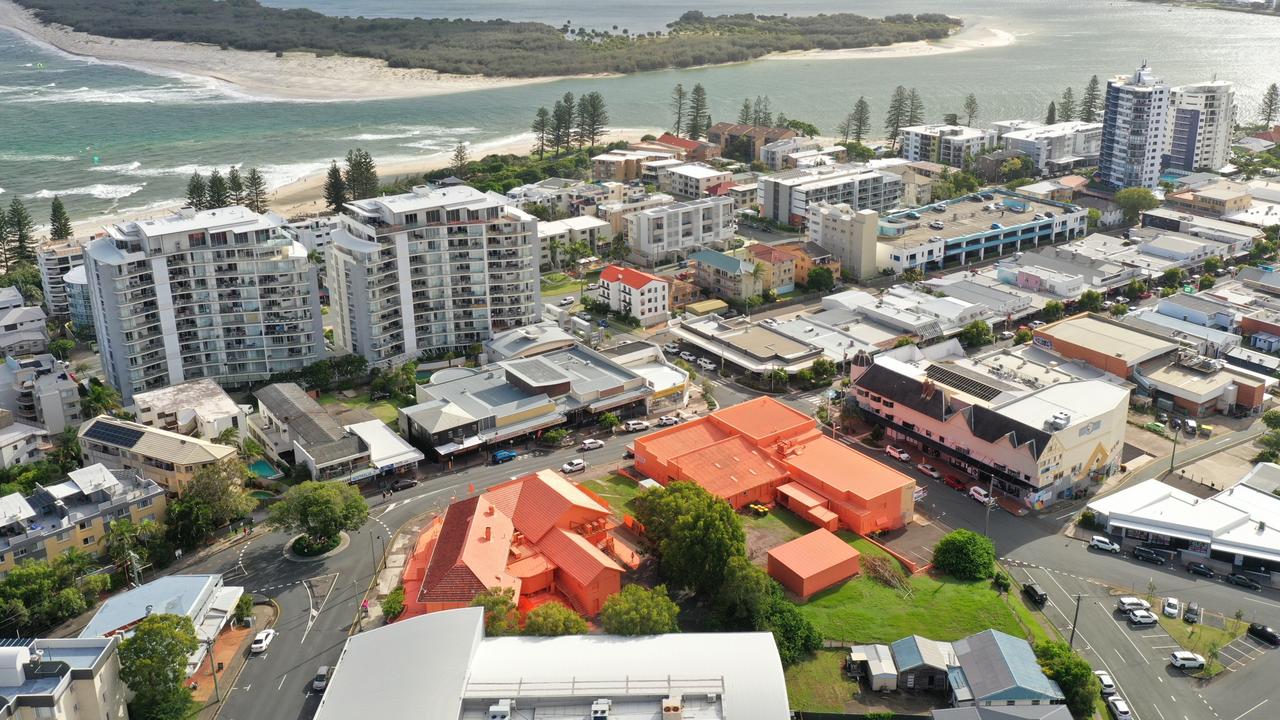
(964, 218)
(1108, 338)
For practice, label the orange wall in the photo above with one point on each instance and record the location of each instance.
(1102, 361)
(588, 599)
(1251, 325)
(821, 580)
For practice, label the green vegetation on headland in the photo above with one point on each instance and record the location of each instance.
(492, 47)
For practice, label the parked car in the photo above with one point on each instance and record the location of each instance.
(1127, 603)
(1036, 324)
(1006, 335)
(321, 680)
(635, 425)
(936, 225)
(1035, 593)
(929, 470)
(573, 466)
(1190, 426)
(955, 483)
(671, 347)
(1264, 633)
(980, 494)
(1119, 708)
(1142, 617)
(1199, 568)
(666, 420)
(1104, 679)
(403, 484)
(1104, 543)
(987, 196)
(913, 215)
(591, 444)
(502, 456)
(630, 452)
(1186, 660)
(1243, 581)
(997, 226)
(706, 364)
(583, 315)
(1191, 614)
(593, 286)
(1171, 607)
(1146, 554)
(769, 322)
(897, 454)
(688, 356)
(1176, 423)
(262, 641)
(567, 300)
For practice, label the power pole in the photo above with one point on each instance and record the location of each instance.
(1074, 621)
(213, 670)
(1174, 452)
(991, 498)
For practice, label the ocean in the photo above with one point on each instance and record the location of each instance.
(108, 138)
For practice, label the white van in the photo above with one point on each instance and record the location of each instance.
(1126, 604)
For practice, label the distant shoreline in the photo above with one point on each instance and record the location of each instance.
(975, 38)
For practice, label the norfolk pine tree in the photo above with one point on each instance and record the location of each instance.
(1091, 101)
(59, 220)
(235, 186)
(335, 188)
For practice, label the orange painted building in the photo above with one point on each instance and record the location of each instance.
(812, 563)
(762, 451)
(538, 535)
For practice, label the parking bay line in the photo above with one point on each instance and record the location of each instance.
(1125, 633)
(1255, 707)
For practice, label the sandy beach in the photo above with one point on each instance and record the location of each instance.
(976, 38)
(295, 76)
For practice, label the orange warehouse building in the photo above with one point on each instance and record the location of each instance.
(812, 563)
(762, 451)
(539, 535)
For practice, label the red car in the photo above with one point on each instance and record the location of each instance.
(956, 483)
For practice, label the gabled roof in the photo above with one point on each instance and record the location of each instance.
(915, 651)
(547, 499)
(813, 553)
(682, 143)
(628, 276)
(1000, 667)
(575, 556)
(463, 563)
(769, 254)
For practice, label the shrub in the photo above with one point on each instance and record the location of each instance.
(393, 604)
(965, 555)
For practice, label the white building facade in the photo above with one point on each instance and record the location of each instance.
(661, 234)
(1201, 120)
(1134, 126)
(946, 144)
(785, 196)
(1059, 146)
(691, 180)
(635, 294)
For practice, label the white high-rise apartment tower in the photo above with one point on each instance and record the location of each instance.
(430, 271)
(222, 294)
(1201, 117)
(1134, 130)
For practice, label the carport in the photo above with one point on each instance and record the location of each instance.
(875, 663)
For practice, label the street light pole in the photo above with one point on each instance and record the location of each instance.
(1074, 621)
(213, 670)
(1174, 452)
(991, 498)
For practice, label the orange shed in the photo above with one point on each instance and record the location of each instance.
(813, 562)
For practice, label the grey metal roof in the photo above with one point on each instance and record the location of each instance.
(1000, 667)
(171, 594)
(1013, 712)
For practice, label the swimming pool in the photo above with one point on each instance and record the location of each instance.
(264, 469)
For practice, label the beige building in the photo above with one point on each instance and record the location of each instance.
(56, 259)
(692, 180)
(169, 459)
(727, 276)
(624, 165)
(848, 234)
(200, 408)
(62, 679)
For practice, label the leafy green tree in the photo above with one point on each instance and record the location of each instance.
(1053, 310)
(335, 188)
(99, 399)
(970, 108)
(255, 191)
(1270, 106)
(637, 610)
(1271, 419)
(699, 113)
(965, 555)
(562, 115)
(697, 533)
(461, 157)
(1172, 277)
(244, 607)
(553, 619)
(500, 617)
(1134, 201)
(216, 193)
(761, 114)
(393, 603)
(126, 540)
(320, 510)
(541, 128)
(744, 113)
(61, 349)
(197, 191)
(189, 522)
(1094, 216)
(221, 487)
(610, 421)
(1091, 101)
(1067, 106)
(1072, 673)
(802, 127)
(821, 279)
(976, 334)
(861, 119)
(751, 600)
(1051, 116)
(1212, 264)
(793, 633)
(235, 186)
(1022, 336)
(1090, 301)
(153, 664)
(361, 175)
(22, 237)
(1206, 282)
(1118, 310)
(59, 221)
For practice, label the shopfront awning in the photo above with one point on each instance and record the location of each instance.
(1139, 525)
(450, 448)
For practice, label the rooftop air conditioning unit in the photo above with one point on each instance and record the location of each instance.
(673, 708)
(600, 709)
(500, 710)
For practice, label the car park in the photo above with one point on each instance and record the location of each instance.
(897, 454)
(1243, 581)
(936, 225)
(635, 425)
(573, 466)
(987, 196)
(1104, 543)
(913, 215)
(1186, 660)
(1171, 607)
(403, 484)
(1146, 554)
(1191, 614)
(1142, 617)
(262, 641)
(502, 456)
(1035, 594)
(1127, 603)
(688, 356)
(1107, 684)
(666, 420)
(1119, 708)
(1264, 633)
(955, 483)
(1199, 568)
(929, 470)
(591, 444)
(321, 680)
(671, 348)
(981, 495)
(939, 208)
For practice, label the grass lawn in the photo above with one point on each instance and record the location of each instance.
(818, 684)
(617, 489)
(382, 409)
(1199, 637)
(558, 283)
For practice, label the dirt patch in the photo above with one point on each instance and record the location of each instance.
(1220, 469)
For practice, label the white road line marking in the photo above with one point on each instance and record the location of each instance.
(1127, 638)
(1255, 707)
(1157, 709)
(282, 677)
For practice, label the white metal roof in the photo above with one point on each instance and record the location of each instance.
(386, 448)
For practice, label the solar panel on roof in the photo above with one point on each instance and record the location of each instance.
(114, 434)
(953, 379)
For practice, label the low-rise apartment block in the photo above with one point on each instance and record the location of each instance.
(223, 294)
(294, 429)
(430, 270)
(810, 255)
(166, 458)
(849, 235)
(555, 237)
(635, 294)
(21, 443)
(664, 233)
(40, 390)
(745, 141)
(62, 679)
(726, 276)
(55, 259)
(199, 408)
(623, 165)
(1055, 149)
(23, 331)
(75, 513)
(945, 144)
(553, 193)
(779, 266)
(692, 180)
(615, 213)
(785, 196)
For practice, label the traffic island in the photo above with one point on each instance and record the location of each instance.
(294, 555)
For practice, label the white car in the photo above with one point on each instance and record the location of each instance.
(666, 420)
(1141, 617)
(1102, 543)
(635, 425)
(706, 364)
(1006, 335)
(1104, 679)
(929, 470)
(1186, 660)
(769, 321)
(896, 454)
(981, 495)
(261, 641)
(567, 300)
(1125, 604)
(593, 286)
(1171, 607)
(591, 444)
(671, 348)
(688, 356)
(1119, 708)
(573, 466)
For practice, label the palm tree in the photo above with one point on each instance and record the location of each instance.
(100, 399)
(125, 540)
(553, 249)
(230, 436)
(250, 448)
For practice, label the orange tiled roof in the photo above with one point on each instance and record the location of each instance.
(810, 554)
(547, 499)
(672, 442)
(769, 254)
(846, 469)
(575, 556)
(463, 563)
(682, 143)
(628, 276)
(730, 467)
(763, 416)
